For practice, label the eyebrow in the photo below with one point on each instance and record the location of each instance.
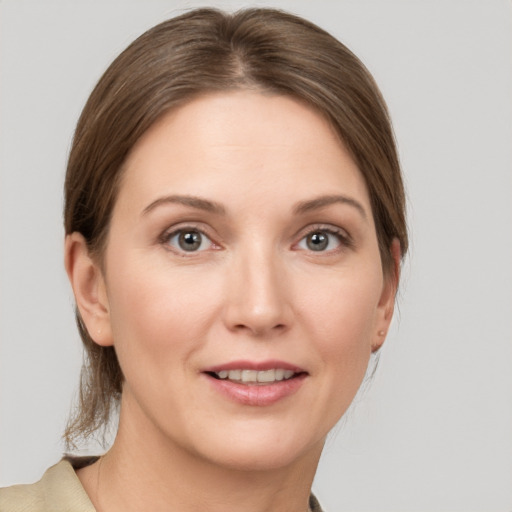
(216, 208)
(324, 201)
(192, 201)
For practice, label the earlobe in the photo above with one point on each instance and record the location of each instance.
(87, 281)
(387, 299)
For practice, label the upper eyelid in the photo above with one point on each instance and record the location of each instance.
(191, 226)
(331, 228)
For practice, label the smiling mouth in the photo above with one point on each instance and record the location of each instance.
(255, 377)
(256, 383)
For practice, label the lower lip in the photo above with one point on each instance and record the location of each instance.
(257, 394)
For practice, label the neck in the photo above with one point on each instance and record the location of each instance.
(144, 470)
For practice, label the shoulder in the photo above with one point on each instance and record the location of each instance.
(59, 489)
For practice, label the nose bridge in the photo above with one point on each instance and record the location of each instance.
(257, 292)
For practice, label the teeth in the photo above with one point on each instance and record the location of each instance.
(266, 376)
(249, 375)
(234, 374)
(263, 376)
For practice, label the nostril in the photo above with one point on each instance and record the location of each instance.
(259, 330)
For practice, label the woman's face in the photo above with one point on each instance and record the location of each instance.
(243, 283)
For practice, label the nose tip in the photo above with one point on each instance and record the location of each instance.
(259, 322)
(257, 301)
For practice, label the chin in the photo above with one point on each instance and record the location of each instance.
(257, 451)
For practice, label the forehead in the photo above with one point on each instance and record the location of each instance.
(241, 145)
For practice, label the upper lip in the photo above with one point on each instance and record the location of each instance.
(254, 365)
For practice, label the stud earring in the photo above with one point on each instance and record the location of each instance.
(381, 333)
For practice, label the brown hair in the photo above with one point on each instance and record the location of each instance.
(202, 51)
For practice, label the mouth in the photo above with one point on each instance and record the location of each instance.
(256, 384)
(255, 377)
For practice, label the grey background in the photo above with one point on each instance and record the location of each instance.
(433, 431)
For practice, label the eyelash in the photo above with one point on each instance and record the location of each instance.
(344, 239)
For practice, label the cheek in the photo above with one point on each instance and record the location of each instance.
(157, 314)
(344, 306)
(342, 317)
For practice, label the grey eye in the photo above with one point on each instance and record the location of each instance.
(189, 240)
(321, 240)
(317, 241)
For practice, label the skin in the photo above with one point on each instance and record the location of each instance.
(254, 291)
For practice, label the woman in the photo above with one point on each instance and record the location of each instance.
(234, 228)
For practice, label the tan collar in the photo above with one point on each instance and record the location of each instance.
(58, 489)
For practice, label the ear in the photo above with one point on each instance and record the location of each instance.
(89, 288)
(387, 299)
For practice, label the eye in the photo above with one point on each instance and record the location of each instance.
(188, 240)
(322, 240)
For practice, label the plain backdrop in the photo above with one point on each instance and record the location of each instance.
(433, 432)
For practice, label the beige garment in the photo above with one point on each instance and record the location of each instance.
(60, 490)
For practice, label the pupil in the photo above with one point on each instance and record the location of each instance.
(190, 240)
(317, 241)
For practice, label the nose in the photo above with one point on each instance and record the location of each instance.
(258, 295)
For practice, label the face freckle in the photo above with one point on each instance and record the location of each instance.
(209, 266)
